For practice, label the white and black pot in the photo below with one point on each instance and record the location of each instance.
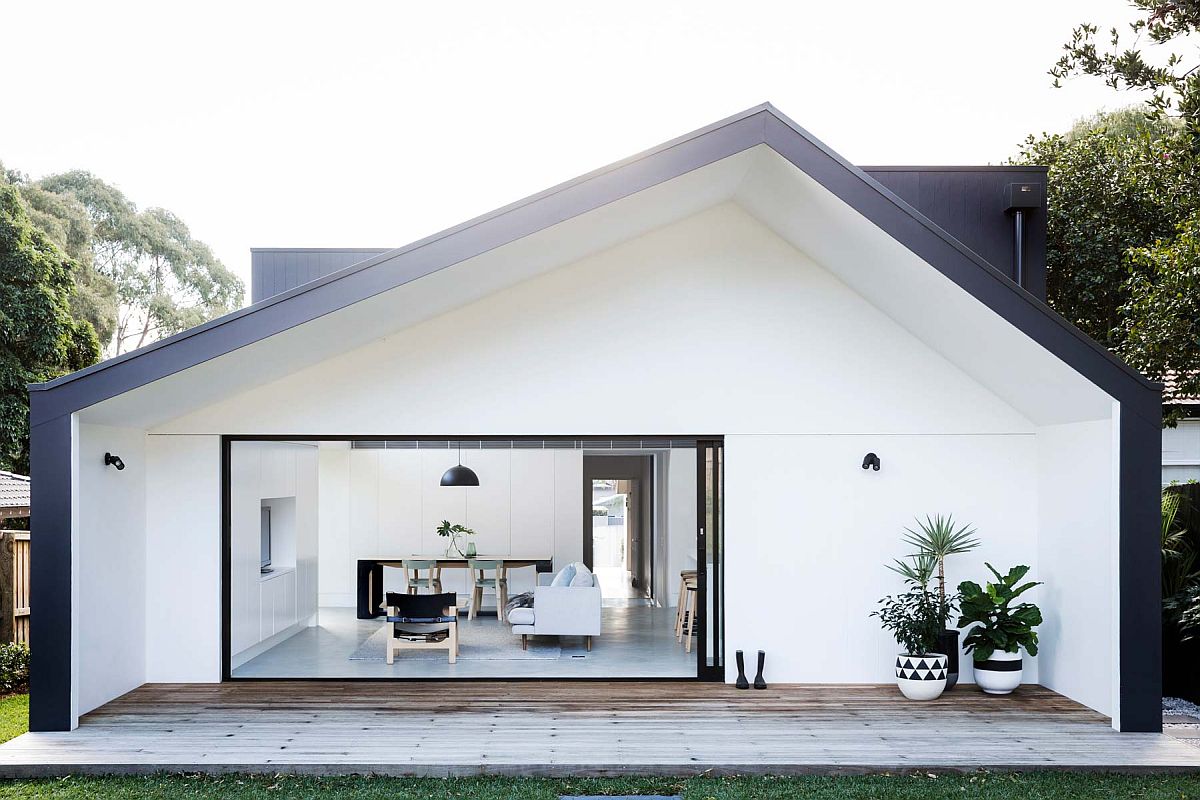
(921, 677)
(1000, 674)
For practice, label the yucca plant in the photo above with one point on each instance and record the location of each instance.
(937, 539)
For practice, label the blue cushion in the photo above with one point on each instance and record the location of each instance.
(564, 576)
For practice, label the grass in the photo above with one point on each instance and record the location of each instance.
(983, 786)
(14, 716)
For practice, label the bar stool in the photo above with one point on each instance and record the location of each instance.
(414, 582)
(690, 624)
(498, 583)
(682, 602)
(687, 578)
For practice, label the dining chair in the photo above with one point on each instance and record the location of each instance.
(422, 622)
(414, 582)
(497, 583)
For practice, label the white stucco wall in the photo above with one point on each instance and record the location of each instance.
(808, 534)
(183, 554)
(110, 566)
(718, 326)
(1077, 549)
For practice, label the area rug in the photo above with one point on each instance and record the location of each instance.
(475, 643)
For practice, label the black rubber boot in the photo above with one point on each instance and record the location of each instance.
(742, 683)
(759, 683)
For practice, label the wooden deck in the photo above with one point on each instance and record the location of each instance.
(561, 728)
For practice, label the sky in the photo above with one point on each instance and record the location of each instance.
(374, 124)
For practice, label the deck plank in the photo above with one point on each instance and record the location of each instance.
(582, 728)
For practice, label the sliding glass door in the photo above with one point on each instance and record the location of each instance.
(710, 558)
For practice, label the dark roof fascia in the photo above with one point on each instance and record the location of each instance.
(758, 125)
(958, 168)
(321, 249)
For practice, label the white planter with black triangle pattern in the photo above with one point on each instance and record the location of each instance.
(921, 677)
(1000, 674)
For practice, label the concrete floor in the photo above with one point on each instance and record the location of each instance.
(636, 642)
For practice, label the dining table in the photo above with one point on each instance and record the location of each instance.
(370, 573)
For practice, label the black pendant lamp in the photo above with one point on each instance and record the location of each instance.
(460, 475)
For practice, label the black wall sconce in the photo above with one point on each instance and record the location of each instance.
(113, 461)
(871, 461)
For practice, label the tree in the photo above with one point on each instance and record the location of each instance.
(1174, 85)
(1122, 260)
(65, 221)
(39, 337)
(166, 281)
(1116, 182)
(1161, 318)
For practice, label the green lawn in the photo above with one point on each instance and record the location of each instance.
(14, 716)
(1033, 786)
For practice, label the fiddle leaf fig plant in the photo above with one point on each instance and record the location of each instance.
(999, 625)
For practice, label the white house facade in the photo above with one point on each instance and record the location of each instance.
(739, 312)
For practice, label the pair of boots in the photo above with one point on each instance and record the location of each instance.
(742, 683)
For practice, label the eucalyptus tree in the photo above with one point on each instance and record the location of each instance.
(166, 281)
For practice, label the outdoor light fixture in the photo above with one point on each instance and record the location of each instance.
(115, 461)
(460, 475)
(871, 461)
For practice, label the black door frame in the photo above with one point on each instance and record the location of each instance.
(710, 531)
(227, 441)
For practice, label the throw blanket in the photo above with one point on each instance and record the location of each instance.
(523, 600)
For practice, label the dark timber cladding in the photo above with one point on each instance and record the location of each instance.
(968, 203)
(275, 270)
(52, 403)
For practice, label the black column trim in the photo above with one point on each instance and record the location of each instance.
(50, 684)
(1140, 571)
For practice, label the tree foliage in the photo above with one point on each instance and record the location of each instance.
(65, 221)
(1124, 198)
(1116, 183)
(1172, 80)
(165, 280)
(39, 337)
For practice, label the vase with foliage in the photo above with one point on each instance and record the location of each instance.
(916, 619)
(455, 533)
(1001, 628)
(939, 538)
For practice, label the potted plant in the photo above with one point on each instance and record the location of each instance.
(916, 619)
(1001, 628)
(939, 538)
(453, 532)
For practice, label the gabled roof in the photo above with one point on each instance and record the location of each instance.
(761, 125)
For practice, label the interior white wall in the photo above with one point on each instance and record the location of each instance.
(110, 621)
(1076, 553)
(809, 532)
(267, 608)
(183, 559)
(388, 503)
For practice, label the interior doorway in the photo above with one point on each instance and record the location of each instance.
(619, 526)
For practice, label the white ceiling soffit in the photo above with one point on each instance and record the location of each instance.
(384, 314)
(795, 206)
(918, 297)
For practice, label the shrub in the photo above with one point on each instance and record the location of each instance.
(14, 668)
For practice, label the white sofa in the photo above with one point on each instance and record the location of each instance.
(571, 608)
